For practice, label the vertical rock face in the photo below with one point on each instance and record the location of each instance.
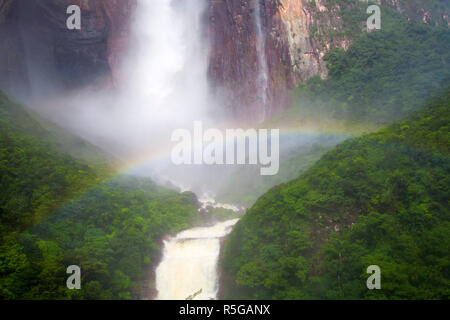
(259, 49)
(41, 49)
(297, 34)
(303, 21)
(291, 50)
(119, 13)
(313, 27)
(234, 66)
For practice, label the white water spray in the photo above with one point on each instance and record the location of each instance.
(189, 264)
(263, 75)
(160, 85)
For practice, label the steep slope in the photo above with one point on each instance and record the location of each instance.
(35, 176)
(57, 211)
(368, 87)
(296, 35)
(381, 199)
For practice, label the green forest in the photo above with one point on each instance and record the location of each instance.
(368, 187)
(380, 199)
(384, 76)
(245, 185)
(57, 211)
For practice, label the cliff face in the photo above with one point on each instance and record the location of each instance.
(40, 47)
(304, 22)
(235, 67)
(313, 27)
(259, 49)
(297, 34)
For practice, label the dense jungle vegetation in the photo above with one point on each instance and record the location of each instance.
(57, 211)
(384, 76)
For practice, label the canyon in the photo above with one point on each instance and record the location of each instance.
(258, 50)
(138, 71)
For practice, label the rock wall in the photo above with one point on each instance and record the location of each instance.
(292, 51)
(234, 67)
(298, 33)
(38, 47)
(38, 53)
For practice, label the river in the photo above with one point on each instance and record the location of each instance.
(189, 265)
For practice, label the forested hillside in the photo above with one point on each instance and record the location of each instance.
(383, 76)
(381, 199)
(57, 211)
(245, 184)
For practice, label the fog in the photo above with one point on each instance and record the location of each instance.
(161, 85)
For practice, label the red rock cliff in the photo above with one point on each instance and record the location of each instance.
(297, 34)
(40, 47)
(286, 45)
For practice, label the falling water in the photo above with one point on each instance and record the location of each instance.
(263, 78)
(160, 84)
(189, 264)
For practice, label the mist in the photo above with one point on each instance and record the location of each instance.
(160, 85)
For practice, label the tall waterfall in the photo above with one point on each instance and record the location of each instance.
(166, 72)
(160, 85)
(263, 72)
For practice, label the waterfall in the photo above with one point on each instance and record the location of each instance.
(166, 71)
(189, 264)
(160, 85)
(263, 72)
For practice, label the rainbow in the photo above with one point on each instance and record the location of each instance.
(151, 156)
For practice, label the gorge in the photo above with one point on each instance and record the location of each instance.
(87, 174)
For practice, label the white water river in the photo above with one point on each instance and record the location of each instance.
(189, 263)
